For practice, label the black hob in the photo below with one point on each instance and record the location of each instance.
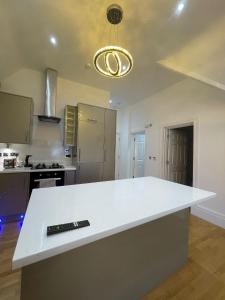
(43, 166)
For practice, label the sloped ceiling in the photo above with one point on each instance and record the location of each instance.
(165, 46)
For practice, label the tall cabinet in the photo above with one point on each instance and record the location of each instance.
(109, 145)
(96, 140)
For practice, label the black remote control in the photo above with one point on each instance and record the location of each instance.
(65, 227)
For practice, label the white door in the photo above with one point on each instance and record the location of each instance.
(177, 156)
(139, 155)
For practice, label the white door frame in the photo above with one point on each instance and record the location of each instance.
(132, 135)
(164, 131)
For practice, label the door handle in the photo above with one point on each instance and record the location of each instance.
(47, 179)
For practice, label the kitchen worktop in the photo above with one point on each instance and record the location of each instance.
(29, 170)
(111, 207)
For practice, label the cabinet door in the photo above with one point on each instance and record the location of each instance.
(70, 178)
(90, 142)
(16, 119)
(90, 113)
(89, 172)
(90, 134)
(14, 193)
(109, 145)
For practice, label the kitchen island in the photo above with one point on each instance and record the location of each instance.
(138, 236)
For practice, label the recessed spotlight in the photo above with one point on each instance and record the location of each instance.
(110, 101)
(53, 40)
(180, 7)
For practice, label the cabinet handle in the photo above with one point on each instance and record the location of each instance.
(26, 136)
(92, 120)
(79, 154)
(104, 155)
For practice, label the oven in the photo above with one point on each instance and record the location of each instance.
(42, 179)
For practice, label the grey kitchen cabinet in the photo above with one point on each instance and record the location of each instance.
(90, 141)
(96, 138)
(89, 172)
(90, 137)
(70, 177)
(16, 114)
(90, 113)
(14, 193)
(109, 145)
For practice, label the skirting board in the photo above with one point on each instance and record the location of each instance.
(209, 215)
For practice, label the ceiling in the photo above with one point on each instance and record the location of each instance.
(166, 45)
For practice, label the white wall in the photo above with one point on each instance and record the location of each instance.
(188, 100)
(47, 141)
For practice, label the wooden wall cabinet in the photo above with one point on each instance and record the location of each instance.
(14, 193)
(16, 116)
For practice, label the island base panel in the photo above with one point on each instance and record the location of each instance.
(124, 266)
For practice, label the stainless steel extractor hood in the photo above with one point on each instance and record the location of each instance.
(50, 98)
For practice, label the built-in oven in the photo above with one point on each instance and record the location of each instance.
(42, 179)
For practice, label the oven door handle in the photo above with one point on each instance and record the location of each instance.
(47, 179)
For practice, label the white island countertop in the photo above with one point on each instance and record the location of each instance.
(111, 207)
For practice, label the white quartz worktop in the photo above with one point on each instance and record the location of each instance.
(29, 170)
(111, 207)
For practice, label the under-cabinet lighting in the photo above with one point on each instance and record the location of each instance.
(21, 216)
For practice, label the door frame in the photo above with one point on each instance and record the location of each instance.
(164, 146)
(132, 149)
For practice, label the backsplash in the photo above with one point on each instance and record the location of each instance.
(47, 138)
(47, 145)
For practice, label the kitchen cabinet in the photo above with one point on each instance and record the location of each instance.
(90, 113)
(14, 193)
(90, 172)
(16, 114)
(70, 125)
(109, 145)
(96, 139)
(70, 177)
(90, 141)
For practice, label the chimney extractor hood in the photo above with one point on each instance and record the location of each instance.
(50, 98)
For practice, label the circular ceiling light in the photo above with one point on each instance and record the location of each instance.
(113, 61)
